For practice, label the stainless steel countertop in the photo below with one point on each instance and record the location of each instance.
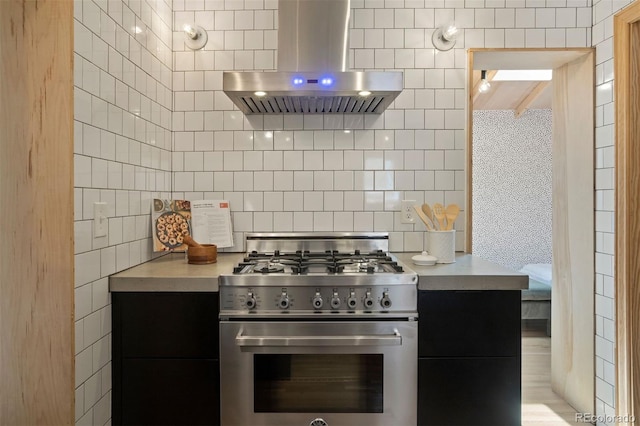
(172, 273)
(467, 273)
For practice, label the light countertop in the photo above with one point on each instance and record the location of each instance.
(468, 272)
(172, 273)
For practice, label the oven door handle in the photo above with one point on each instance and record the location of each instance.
(394, 339)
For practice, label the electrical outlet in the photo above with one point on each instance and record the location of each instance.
(406, 211)
(100, 220)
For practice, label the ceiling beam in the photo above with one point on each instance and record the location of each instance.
(530, 98)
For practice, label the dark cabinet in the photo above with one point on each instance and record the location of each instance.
(165, 359)
(469, 364)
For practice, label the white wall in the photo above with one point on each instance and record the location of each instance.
(512, 187)
(603, 11)
(304, 173)
(132, 146)
(123, 104)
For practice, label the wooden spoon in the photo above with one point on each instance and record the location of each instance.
(427, 210)
(451, 212)
(190, 241)
(424, 218)
(438, 212)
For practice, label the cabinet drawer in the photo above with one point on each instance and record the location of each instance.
(469, 323)
(166, 325)
(469, 391)
(170, 392)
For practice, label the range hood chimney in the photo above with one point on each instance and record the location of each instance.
(312, 76)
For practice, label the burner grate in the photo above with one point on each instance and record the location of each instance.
(328, 261)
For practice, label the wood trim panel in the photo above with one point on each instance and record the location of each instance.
(627, 231)
(469, 129)
(468, 207)
(526, 102)
(573, 239)
(36, 206)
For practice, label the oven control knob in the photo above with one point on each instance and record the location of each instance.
(368, 300)
(317, 301)
(385, 302)
(335, 301)
(284, 301)
(251, 301)
(352, 301)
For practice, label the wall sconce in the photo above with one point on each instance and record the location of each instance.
(195, 37)
(484, 84)
(444, 38)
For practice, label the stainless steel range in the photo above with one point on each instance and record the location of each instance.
(318, 330)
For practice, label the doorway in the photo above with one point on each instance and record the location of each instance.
(572, 341)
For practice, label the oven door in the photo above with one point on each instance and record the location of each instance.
(318, 373)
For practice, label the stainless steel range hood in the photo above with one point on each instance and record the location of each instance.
(312, 76)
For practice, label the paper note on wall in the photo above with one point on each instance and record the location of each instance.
(211, 222)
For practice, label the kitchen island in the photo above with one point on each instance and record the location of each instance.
(165, 341)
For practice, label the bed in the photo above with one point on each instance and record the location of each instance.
(536, 300)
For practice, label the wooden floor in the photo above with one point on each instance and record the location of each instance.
(540, 405)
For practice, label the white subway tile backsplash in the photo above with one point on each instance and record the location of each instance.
(313, 121)
(303, 180)
(373, 160)
(362, 221)
(283, 181)
(83, 302)
(373, 38)
(263, 181)
(253, 160)
(425, 180)
(302, 221)
(253, 201)
(393, 160)
(283, 222)
(323, 180)
(84, 367)
(293, 201)
(243, 181)
(151, 116)
(263, 222)
(404, 180)
(293, 160)
(373, 200)
(274, 201)
(313, 201)
(313, 160)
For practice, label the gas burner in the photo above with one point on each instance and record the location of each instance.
(328, 262)
(268, 267)
(318, 275)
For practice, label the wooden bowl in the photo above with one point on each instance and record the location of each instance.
(203, 254)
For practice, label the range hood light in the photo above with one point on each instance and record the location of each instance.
(260, 94)
(364, 93)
